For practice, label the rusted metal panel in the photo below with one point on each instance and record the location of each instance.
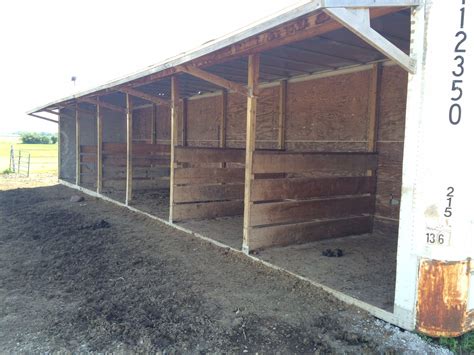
(442, 298)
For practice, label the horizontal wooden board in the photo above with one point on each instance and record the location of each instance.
(300, 211)
(183, 212)
(88, 149)
(266, 162)
(137, 184)
(88, 158)
(208, 193)
(195, 176)
(287, 234)
(280, 189)
(209, 155)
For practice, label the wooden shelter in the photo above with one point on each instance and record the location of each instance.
(290, 131)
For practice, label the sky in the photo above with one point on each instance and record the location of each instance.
(44, 43)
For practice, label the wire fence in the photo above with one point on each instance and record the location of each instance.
(35, 161)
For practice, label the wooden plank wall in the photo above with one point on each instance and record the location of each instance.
(323, 195)
(151, 166)
(328, 114)
(208, 182)
(88, 164)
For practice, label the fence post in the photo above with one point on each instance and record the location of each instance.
(19, 161)
(12, 158)
(28, 171)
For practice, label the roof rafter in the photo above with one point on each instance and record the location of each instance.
(143, 95)
(96, 101)
(214, 79)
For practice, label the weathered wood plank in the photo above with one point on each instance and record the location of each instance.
(288, 234)
(304, 188)
(209, 155)
(129, 186)
(253, 72)
(99, 156)
(207, 210)
(174, 138)
(266, 162)
(89, 149)
(208, 175)
(282, 114)
(196, 193)
(300, 211)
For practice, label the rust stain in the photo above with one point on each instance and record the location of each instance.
(442, 298)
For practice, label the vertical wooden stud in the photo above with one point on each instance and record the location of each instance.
(184, 133)
(373, 108)
(59, 144)
(253, 77)
(282, 115)
(99, 148)
(373, 104)
(154, 110)
(174, 136)
(223, 121)
(78, 148)
(129, 186)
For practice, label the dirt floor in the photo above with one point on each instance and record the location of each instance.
(91, 276)
(366, 270)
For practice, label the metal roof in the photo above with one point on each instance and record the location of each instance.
(334, 50)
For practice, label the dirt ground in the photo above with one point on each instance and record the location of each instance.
(91, 276)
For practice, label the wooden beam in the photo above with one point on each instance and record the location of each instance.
(129, 183)
(59, 146)
(253, 76)
(102, 104)
(214, 79)
(143, 95)
(223, 121)
(51, 112)
(374, 85)
(372, 122)
(184, 128)
(78, 149)
(153, 123)
(282, 115)
(174, 137)
(43, 118)
(99, 149)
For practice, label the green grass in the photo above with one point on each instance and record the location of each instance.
(460, 345)
(43, 157)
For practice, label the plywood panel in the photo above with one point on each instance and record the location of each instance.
(306, 162)
(333, 108)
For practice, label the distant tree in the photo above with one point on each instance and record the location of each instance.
(54, 138)
(37, 138)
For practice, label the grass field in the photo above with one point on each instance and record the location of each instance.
(43, 157)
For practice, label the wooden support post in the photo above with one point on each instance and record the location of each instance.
(282, 115)
(153, 123)
(78, 148)
(253, 76)
(223, 121)
(174, 136)
(184, 133)
(372, 121)
(128, 189)
(99, 148)
(59, 145)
